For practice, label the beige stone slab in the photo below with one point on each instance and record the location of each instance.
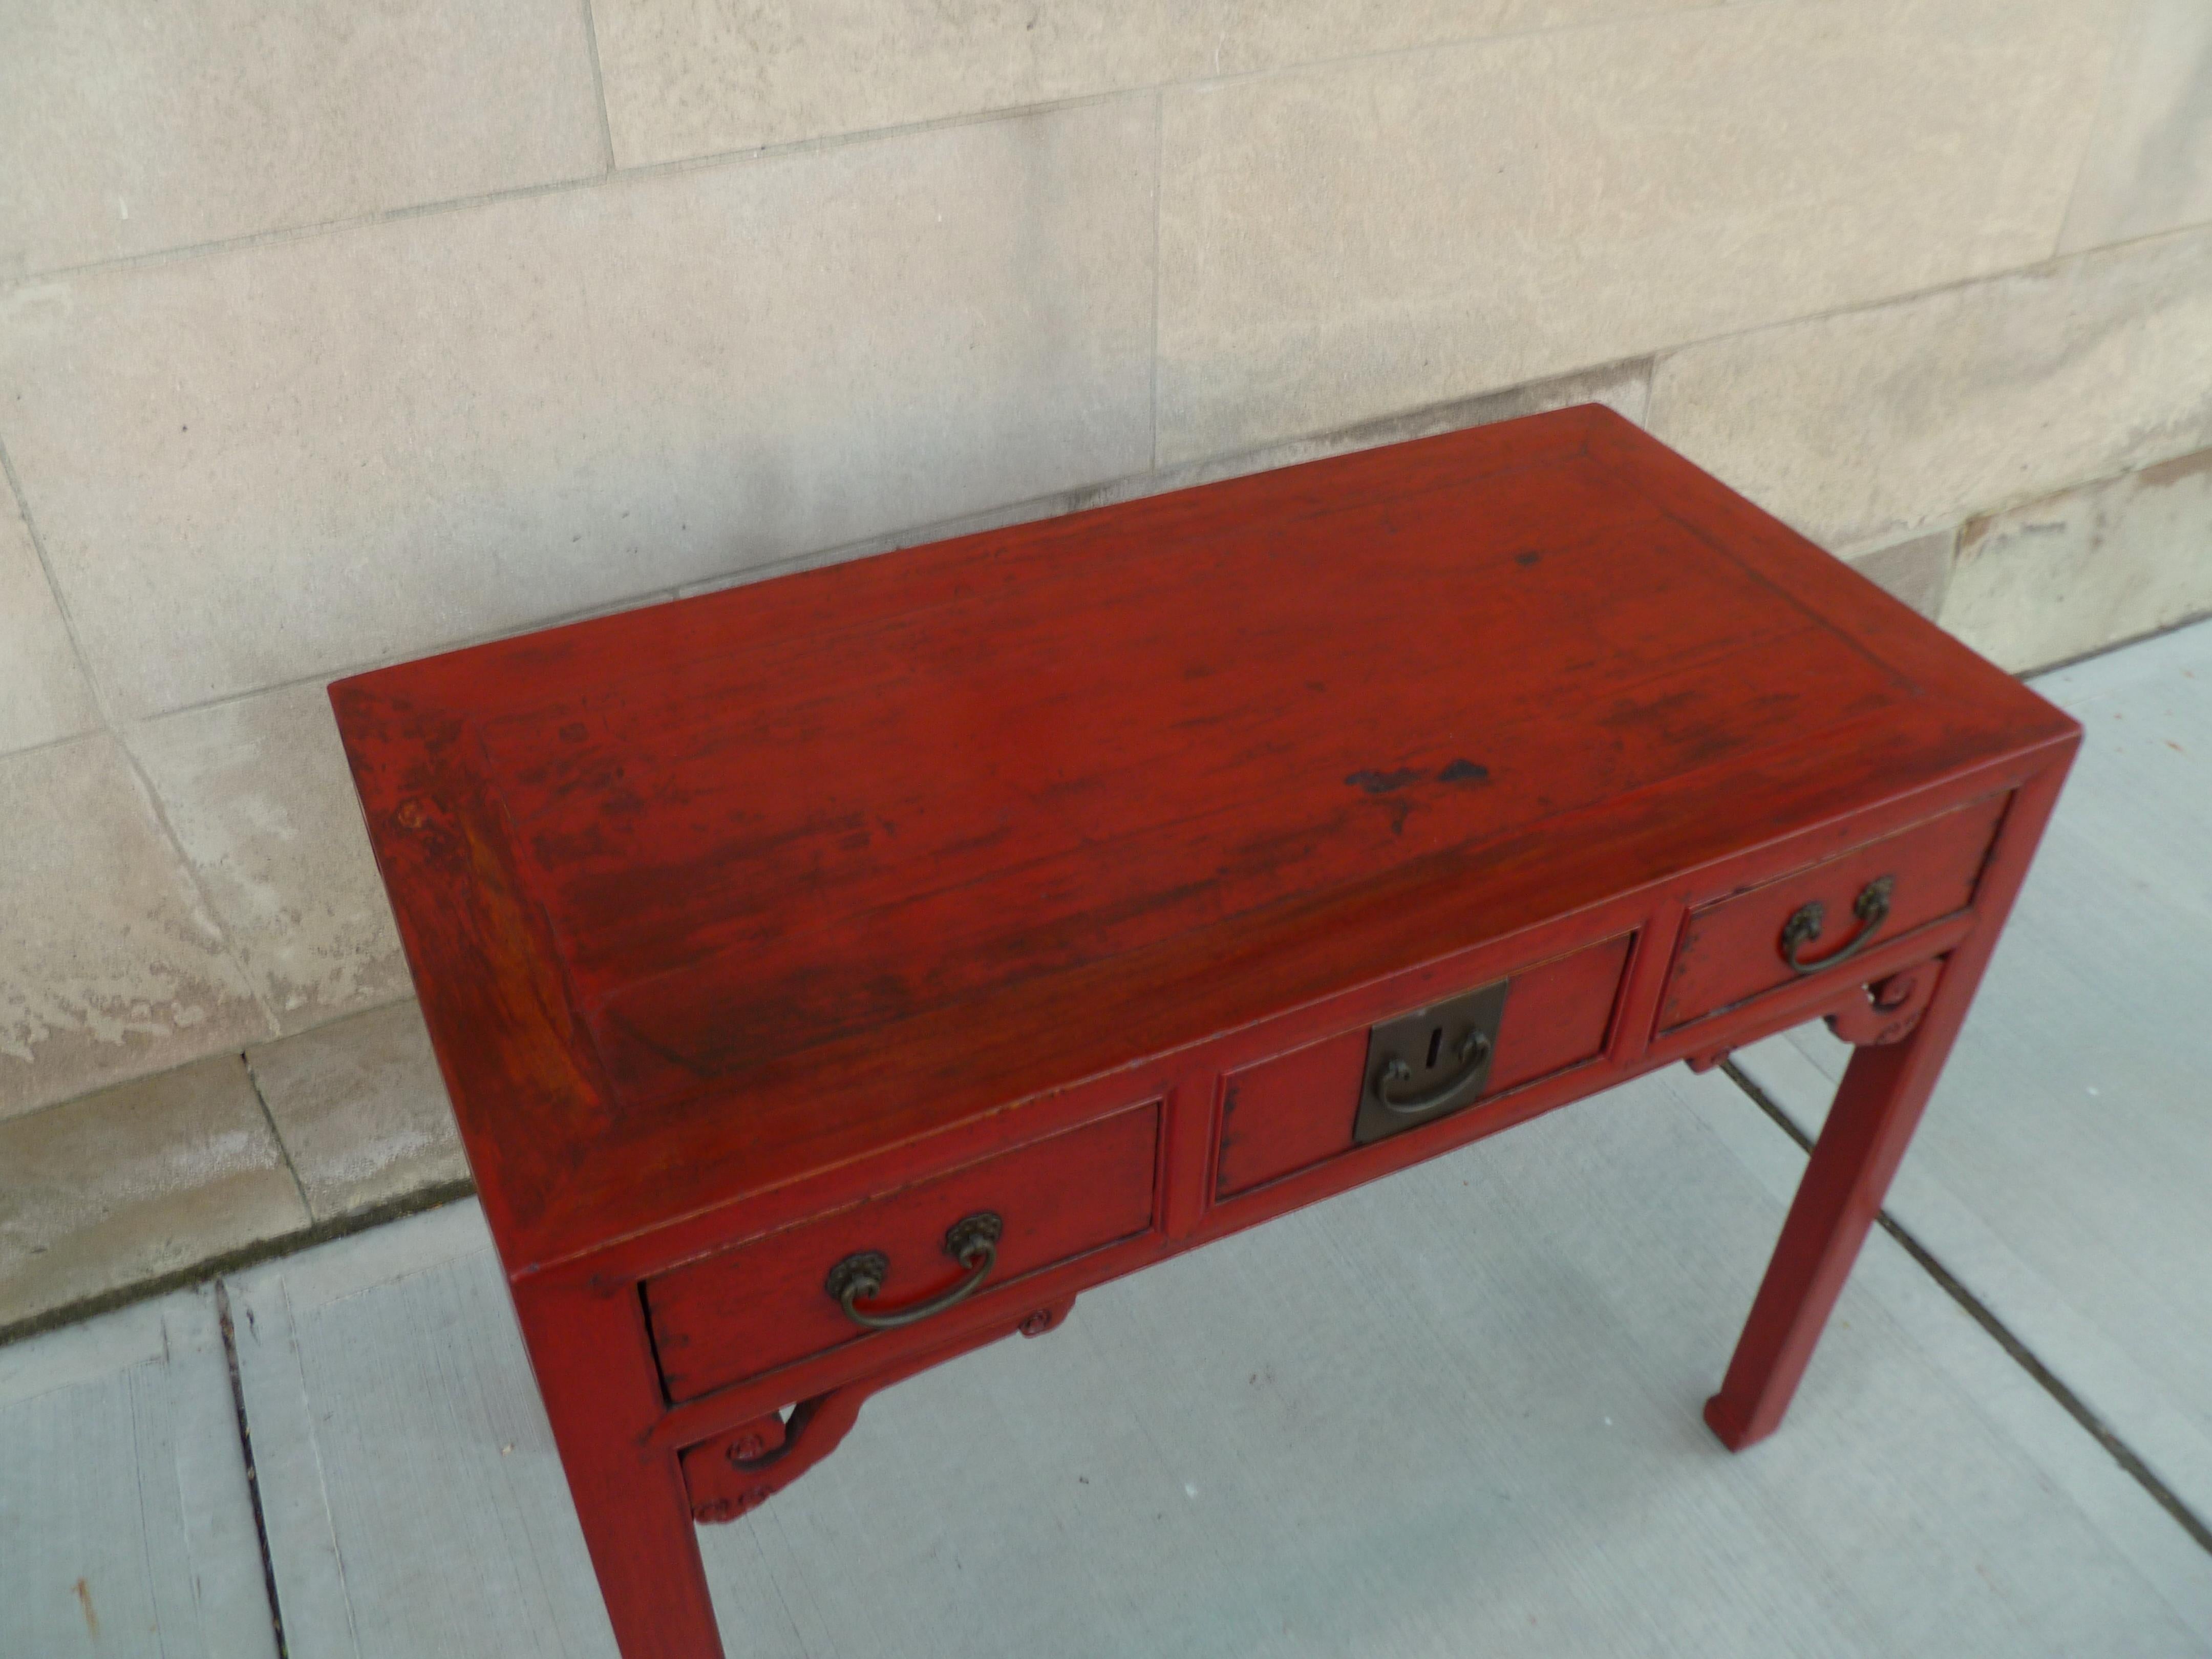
(259, 796)
(1342, 241)
(1873, 425)
(127, 129)
(2150, 163)
(2077, 572)
(110, 966)
(361, 1109)
(280, 461)
(1622, 387)
(44, 694)
(685, 79)
(1916, 571)
(137, 1182)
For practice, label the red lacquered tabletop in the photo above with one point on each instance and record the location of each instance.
(709, 896)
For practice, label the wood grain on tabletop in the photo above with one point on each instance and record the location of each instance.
(708, 895)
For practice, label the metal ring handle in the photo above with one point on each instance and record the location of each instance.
(1871, 907)
(973, 1242)
(1474, 1053)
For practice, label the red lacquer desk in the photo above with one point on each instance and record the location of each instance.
(834, 974)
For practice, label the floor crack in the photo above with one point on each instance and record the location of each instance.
(253, 1480)
(2163, 1495)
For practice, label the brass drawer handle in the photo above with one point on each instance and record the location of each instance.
(973, 1242)
(1473, 1053)
(1871, 907)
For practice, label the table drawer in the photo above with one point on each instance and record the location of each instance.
(1740, 946)
(1296, 1109)
(734, 1316)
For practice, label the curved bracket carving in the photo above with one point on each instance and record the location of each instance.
(741, 1468)
(1889, 1010)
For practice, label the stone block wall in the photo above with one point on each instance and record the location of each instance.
(333, 334)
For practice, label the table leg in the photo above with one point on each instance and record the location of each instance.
(1876, 1109)
(602, 1395)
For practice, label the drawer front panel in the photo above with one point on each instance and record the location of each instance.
(747, 1310)
(1734, 950)
(1285, 1114)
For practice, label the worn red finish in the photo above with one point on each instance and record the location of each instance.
(738, 1313)
(1724, 957)
(1286, 1113)
(1059, 871)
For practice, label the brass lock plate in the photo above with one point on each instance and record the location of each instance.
(1430, 1063)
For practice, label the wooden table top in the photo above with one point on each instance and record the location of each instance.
(707, 896)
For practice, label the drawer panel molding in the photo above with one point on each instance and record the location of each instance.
(1815, 920)
(1297, 1109)
(744, 1312)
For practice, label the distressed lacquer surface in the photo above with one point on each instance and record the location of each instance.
(741, 1312)
(818, 916)
(768, 878)
(1288, 1113)
(1932, 868)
